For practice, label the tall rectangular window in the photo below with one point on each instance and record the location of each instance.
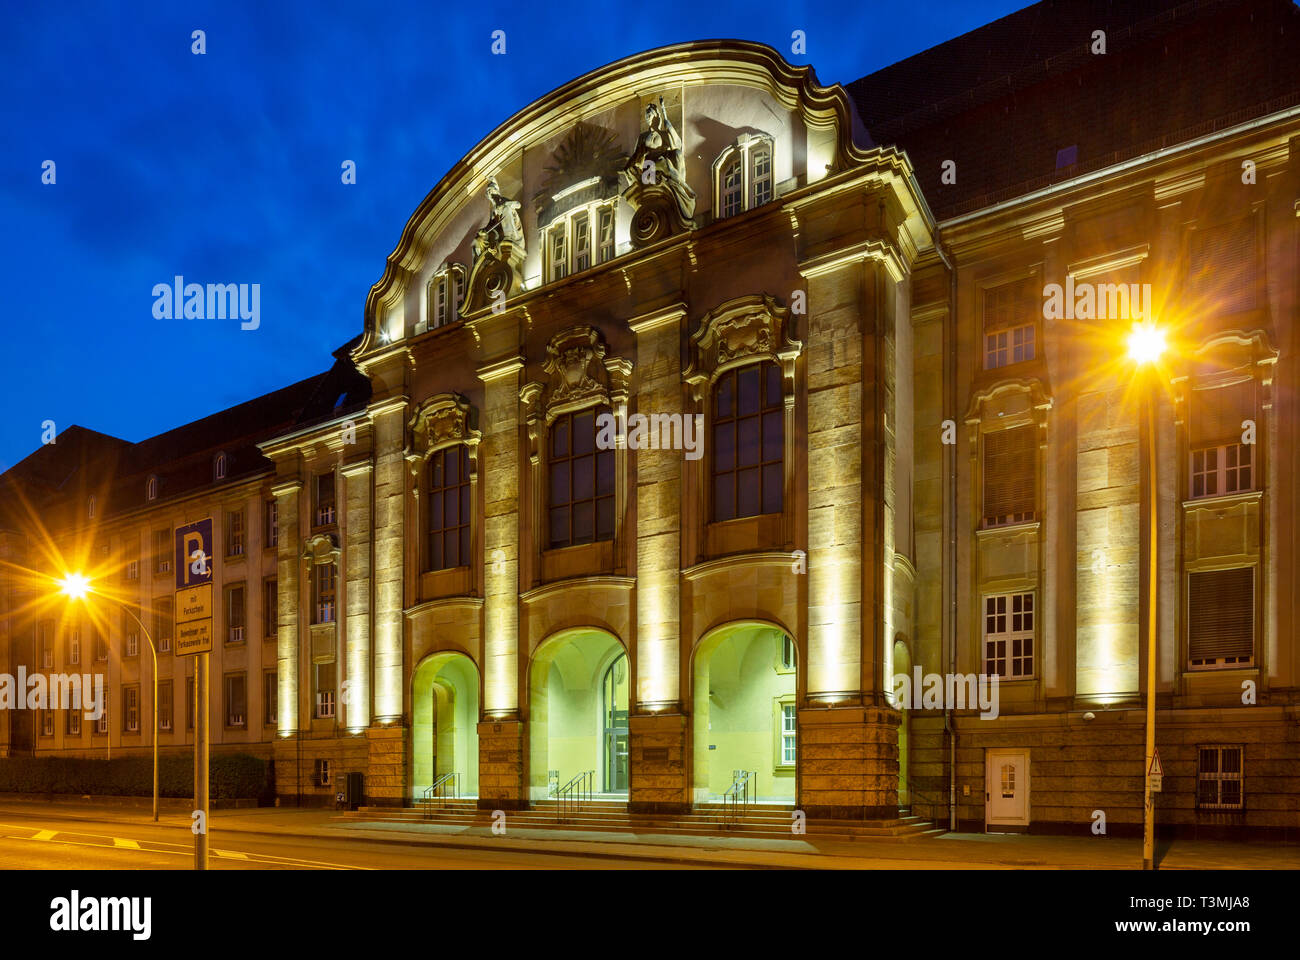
(1220, 778)
(270, 607)
(1009, 635)
(162, 552)
(1010, 474)
(580, 481)
(74, 646)
(761, 156)
(606, 238)
(1220, 462)
(235, 613)
(236, 700)
(559, 252)
(270, 698)
(234, 533)
(448, 508)
(272, 515)
(164, 704)
(73, 728)
(1222, 267)
(324, 499)
(162, 623)
(733, 189)
(322, 585)
(130, 635)
(581, 242)
(748, 442)
(324, 690)
(47, 723)
(100, 642)
(45, 641)
(789, 730)
(1009, 324)
(1221, 617)
(131, 709)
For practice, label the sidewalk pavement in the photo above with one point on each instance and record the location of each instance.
(947, 851)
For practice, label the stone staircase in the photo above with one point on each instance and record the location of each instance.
(767, 821)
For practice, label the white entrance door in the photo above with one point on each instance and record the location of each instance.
(1006, 788)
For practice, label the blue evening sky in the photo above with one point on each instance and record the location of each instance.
(226, 168)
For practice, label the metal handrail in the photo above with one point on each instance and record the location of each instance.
(737, 797)
(444, 788)
(570, 797)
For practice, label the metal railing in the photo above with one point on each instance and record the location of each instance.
(446, 787)
(570, 797)
(738, 797)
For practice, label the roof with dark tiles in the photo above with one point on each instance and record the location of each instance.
(1004, 100)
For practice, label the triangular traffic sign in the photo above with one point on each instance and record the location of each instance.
(1156, 770)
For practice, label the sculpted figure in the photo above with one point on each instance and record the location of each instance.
(661, 146)
(503, 224)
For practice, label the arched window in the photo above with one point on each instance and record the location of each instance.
(580, 481)
(580, 240)
(219, 467)
(446, 296)
(151, 488)
(744, 175)
(447, 514)
(748, 442)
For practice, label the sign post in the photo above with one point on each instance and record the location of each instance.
(1156, 773)
(194, 551)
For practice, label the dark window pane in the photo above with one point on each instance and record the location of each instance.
(560, 437)
(722, 402)
(559, 526)
(451, 508)
(464, 503)
(464, 546)
(747, 482)
(453, 466)
(748, 388)
(772, 481)
(605, 472)
(436, 474)
(435, 546)
(435, 510)
(451, 549)
(724, 447)
(748, 452)
(772, 386)
(773, 435)
(605, 518)
(584, 432)
(560, 482)
(584, 480)
(583, 522)
(724, 501)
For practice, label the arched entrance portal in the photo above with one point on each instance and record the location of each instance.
(745, 711)
(444, 723)
(577, 713)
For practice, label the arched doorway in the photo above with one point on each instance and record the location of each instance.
(444, 723)
(577, 713)
(745, 711)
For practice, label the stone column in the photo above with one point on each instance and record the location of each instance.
(386, 780)
(501, 736)
(289, 717)
(657, 726)
(357, 481)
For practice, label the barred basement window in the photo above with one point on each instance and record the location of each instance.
(748, 442)
(1221, 617)
(1009, 635)
(1010, 471)
(1220, 779)
(580, 481)
(448, 510)
(1010, 323)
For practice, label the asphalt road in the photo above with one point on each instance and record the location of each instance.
(32, 841)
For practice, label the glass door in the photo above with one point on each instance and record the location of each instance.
(614, 761)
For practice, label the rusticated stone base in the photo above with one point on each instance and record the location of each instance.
(386, 777)
(501, 765)
(659, 763)
(848, 763)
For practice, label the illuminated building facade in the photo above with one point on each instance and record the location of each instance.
(847, 442)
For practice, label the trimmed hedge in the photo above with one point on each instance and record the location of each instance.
(236, 776)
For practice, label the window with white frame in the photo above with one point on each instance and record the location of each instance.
(1009, 635)
(789, 734)
(74, 646)
(324, 499)
(1220, 778)
(47, 723)
(131, 709)
(579, 240)
(1221, 618)
(132, 641)
(744, 175)
(322, 773)
(325, 679)
(74, 723)
(323, 594)
(234, 533)
(101, 725)
(272, 523)
(165, 705)
(1009, 323)
(446, 296)
(235, 613)
(1220, 470)
(1219, 463)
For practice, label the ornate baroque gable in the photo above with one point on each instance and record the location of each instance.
(441, 421)
(738, 332)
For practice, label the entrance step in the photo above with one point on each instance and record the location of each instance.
(769, 821)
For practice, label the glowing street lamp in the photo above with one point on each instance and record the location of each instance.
(1146, 344)
(77, 586)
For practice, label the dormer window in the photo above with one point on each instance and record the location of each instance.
(744, 175)
(219, 467)
(579, 240)
(151, 488)
(446, 296)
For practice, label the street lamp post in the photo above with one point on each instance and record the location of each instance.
(1146, 344)
(77, 586)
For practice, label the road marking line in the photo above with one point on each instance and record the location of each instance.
(124, 842)
(231, 854)
(45, 834)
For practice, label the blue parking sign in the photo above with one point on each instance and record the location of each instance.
(194, 554)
